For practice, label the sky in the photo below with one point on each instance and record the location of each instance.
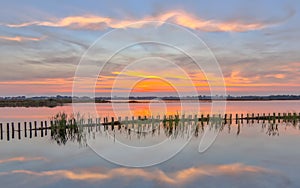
(255, 45)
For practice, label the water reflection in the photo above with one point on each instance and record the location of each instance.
(74, 128)
(171, 128)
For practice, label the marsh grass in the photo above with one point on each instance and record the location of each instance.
(66, 128)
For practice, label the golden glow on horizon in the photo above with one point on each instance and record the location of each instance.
(234, 82)
(153, 85)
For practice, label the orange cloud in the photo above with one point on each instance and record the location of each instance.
(178, 17)
(175, 178)
(22, 159)
(20, 38)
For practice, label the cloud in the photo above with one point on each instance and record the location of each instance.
(175, 178)
(226, 175)
(179, 17)
(22, 159)
(21, 38)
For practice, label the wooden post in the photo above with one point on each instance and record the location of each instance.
(35, 129)
(105, 125)
(42, 129)
(112, 123)
(1, 130)
(12, 130)
(119, 126)
(46, 128)
(30, 130)
(19, 131)
(25, 129)
(230, 118)
(7, 131)
(126, 122)
(242, 118)
(247, 118)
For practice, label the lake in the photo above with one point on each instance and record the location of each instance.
(244, 154)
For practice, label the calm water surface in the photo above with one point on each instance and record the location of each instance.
(244, 155)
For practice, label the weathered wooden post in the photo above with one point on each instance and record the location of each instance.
(35, 129)
(247, 118)
(126, 122)
(12, 130)
(236, 118)
(42, 129)
(294, 118)
(252, 118)
(46, 128)
(1, 130)
(119, 124)
(19, 130)
(25, 129)
(7, 131)
(30, 130)
(105, 124)
(242, 118)
(230, 118)
(132, 126)
(279, 117)
(112, 123)
(225, 118)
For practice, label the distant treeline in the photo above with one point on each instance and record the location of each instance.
(32, 102)
(51, 102)
(61, 100)
(231, 98)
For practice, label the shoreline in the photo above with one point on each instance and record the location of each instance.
(52, 103)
